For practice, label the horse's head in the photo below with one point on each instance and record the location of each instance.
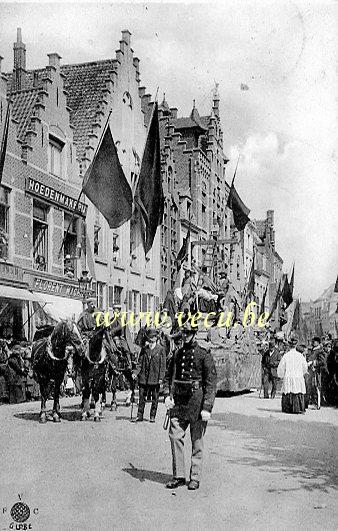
(66, 334)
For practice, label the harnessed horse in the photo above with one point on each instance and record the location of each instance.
(50, 358)
(119, 370)
(93, 372)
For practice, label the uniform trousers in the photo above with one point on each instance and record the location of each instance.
(177, 433)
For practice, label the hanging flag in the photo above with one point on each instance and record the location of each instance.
(263, 301)
(4, 142)
(276, 301)
(336, 286)
(251, 282)
(296, 317)
(286, 292)
(240, 211)
(149, 197)
(292, 281)
(183, 253)
(106, 185)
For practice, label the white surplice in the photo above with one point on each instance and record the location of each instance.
(292, 368)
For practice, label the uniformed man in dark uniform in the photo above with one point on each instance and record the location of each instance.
(190, 390)
(86, 322)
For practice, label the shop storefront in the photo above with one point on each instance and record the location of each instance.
(16, 304)
(60, 299)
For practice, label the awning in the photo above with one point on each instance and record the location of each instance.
(9, 292)
(61, 307)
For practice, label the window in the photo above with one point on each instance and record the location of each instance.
(4, 221)
(100, 295)
(116, 248)
(204, 216)
(70, 245)
(132, 248)
(40, 236)
(96, 239)
(127, 100)
(118, 294)
(55, 156)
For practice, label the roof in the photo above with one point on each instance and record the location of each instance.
(194, 120)
(84, 84)
(23, 109)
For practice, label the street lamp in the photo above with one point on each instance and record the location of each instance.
(85, 282)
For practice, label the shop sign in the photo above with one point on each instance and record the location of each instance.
(10, 272)
(63, 289)
(54, 196)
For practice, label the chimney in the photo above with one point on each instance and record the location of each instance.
(126, 36)
(19, 62)
(173, 111)
(215, 101)
(54, 60)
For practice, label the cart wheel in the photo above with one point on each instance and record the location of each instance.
(318, 398)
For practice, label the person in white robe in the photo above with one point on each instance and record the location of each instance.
(292, 368)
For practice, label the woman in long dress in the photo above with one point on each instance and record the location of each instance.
(291, 369)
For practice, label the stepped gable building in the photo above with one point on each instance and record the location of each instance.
(195, 167)
(59, 113)
(269, 264)
(39, 193)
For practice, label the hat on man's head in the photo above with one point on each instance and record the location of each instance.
(151, 332)
(293, 340)
(91, 300)
(316, 338)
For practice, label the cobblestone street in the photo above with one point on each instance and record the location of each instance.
(263, 470)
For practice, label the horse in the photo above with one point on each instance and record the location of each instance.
(50, 357)
(93, 372)
(119, 370)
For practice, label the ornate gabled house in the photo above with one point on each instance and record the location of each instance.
(61, 112)
(194, 157)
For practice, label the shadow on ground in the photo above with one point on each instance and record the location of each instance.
(150, 475)
(303, 450)
(34, 416)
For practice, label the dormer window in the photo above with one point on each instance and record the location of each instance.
(127, 100)
(55, 148)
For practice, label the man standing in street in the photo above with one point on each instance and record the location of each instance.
(86, 322)
(190, 390)
(150, 372)
(315, 361)
(276, 349)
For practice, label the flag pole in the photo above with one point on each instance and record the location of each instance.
(233, 179)
(81, 193)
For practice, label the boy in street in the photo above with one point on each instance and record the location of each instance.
(150, 372)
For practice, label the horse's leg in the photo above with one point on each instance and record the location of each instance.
(56, 404)
(44, 397)
(85, 400)
(113, 390)
(97, 411)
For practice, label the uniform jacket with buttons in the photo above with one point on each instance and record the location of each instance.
(193, 364)
(151, 365)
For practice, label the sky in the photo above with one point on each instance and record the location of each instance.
(284, 126)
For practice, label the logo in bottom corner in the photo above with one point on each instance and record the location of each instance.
(20, 512)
